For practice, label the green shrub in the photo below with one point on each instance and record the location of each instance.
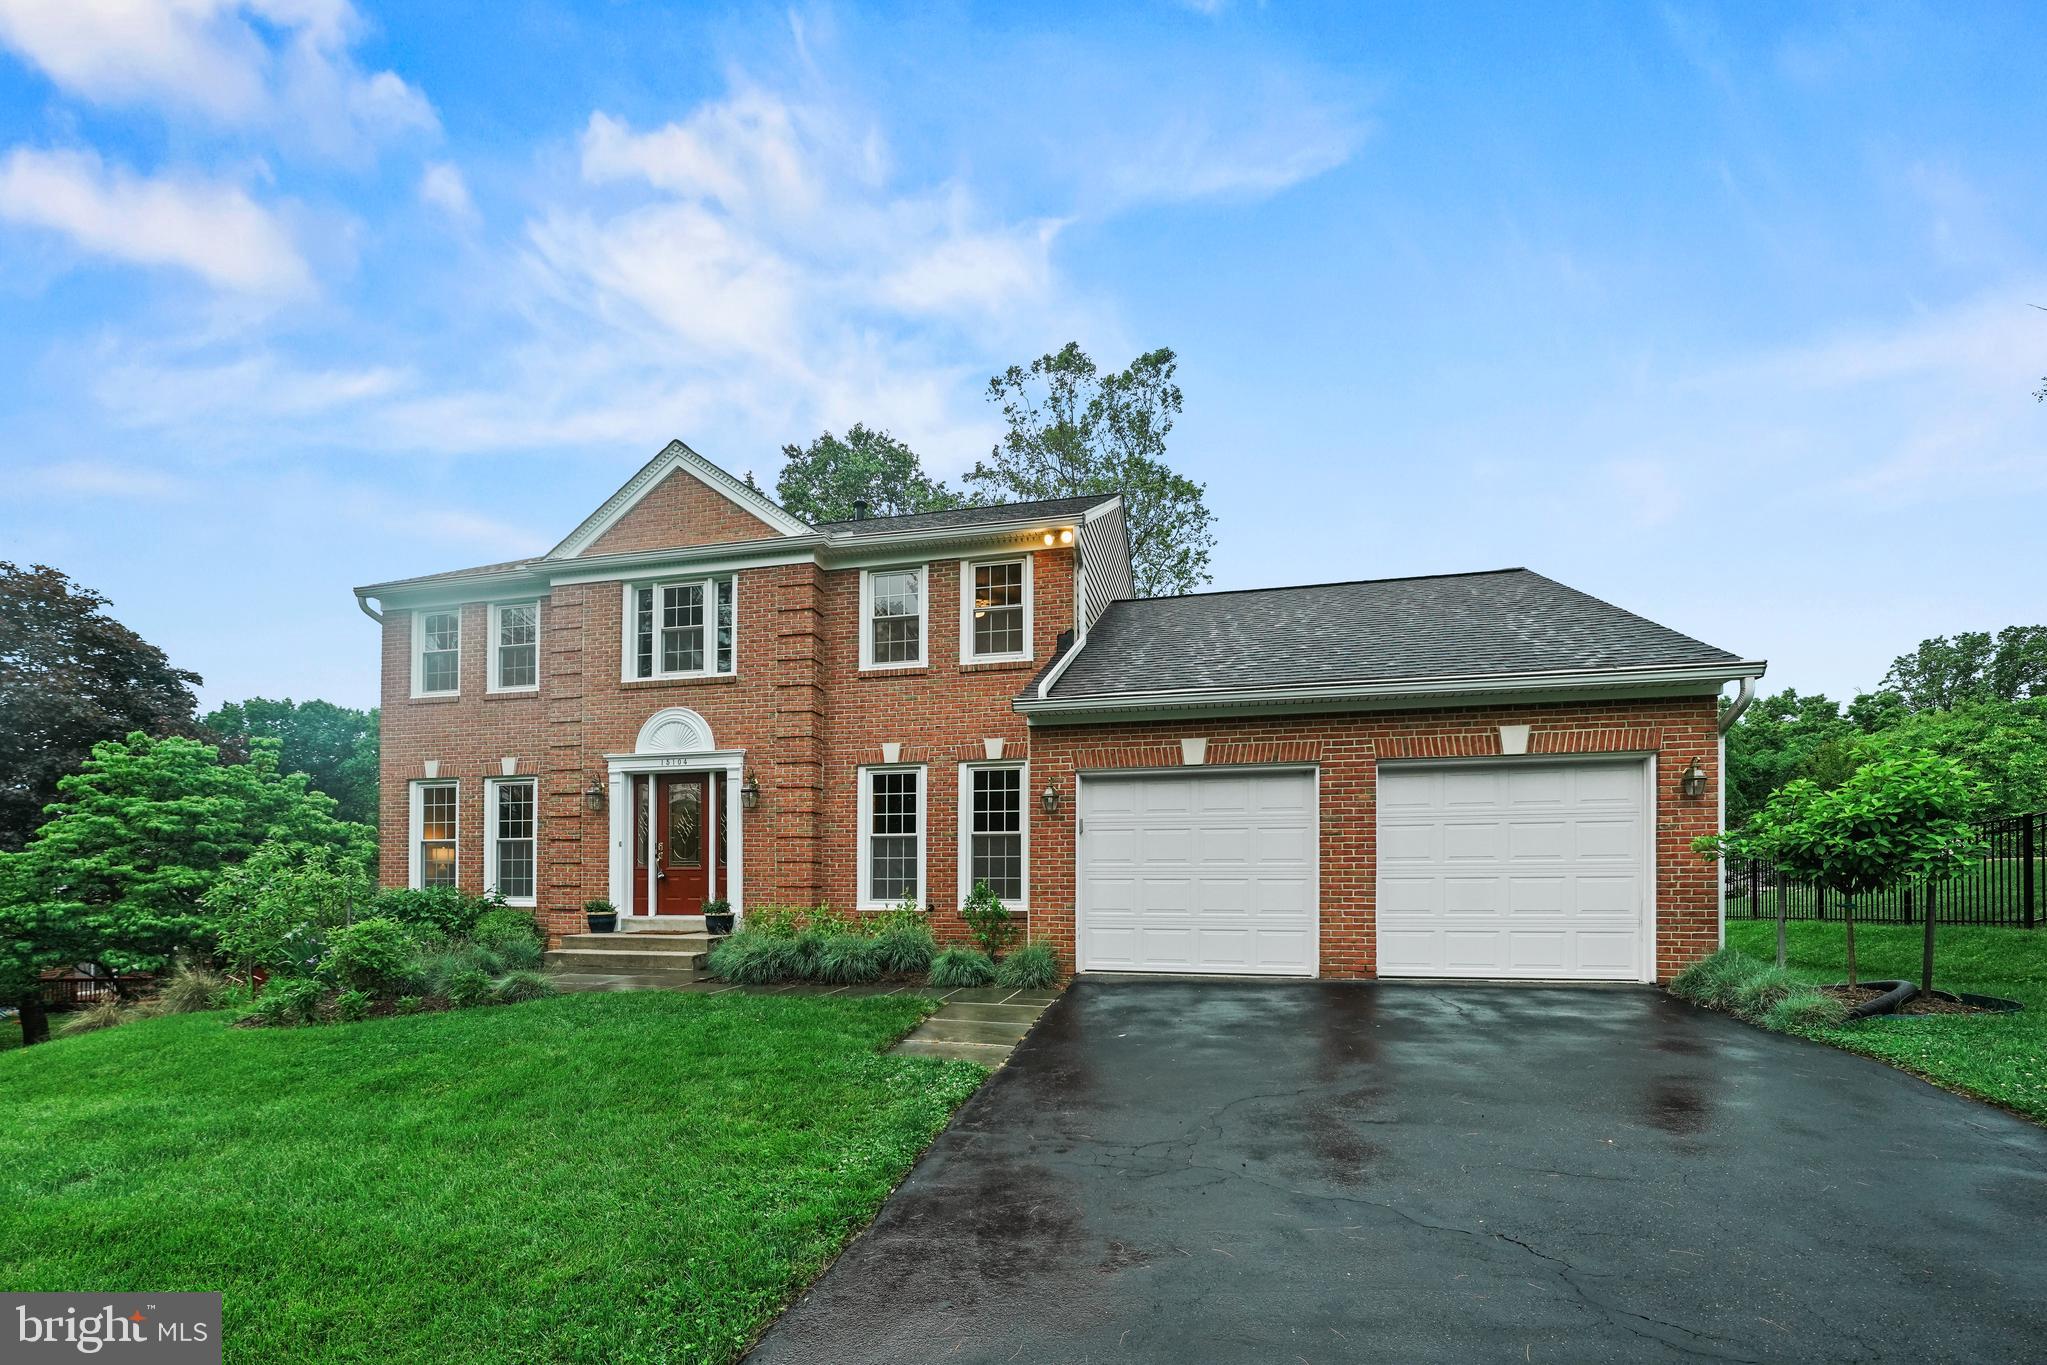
(507, 954)
(469, 985)
(371, 955)
(351, 1005)
(103, 1013)
(516, 987)
(293, 1000)
(752, 958)
(962, 967)
(437, 910)
(503, 924)
(905, 914)
(408, 1004)
(275, 909)
(189, 988)
(1804, 1009)
(988, 920)
(905, 949)
(1032, 967)
(776, 921)
(848, 960)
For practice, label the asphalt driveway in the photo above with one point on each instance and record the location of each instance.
(1210, 1171)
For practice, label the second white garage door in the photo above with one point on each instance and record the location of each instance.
(1211, 872)
(1515, 869)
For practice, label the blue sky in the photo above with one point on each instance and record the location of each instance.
(1720, 312)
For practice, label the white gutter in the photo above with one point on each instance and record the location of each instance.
(1741, 701)
(1451, 684)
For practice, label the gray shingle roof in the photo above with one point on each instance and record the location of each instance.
(1498, 624)
(968, 516)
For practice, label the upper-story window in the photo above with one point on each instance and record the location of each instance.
(995, 609)
(892, 618)
(436, 653)
(515, 647)
(682, 630)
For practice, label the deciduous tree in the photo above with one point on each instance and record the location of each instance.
(1075, 431)
(822, 480)
(336, 746)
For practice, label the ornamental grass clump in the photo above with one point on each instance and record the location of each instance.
(847, 960)
(1033, 967)
(905, 949)
(1769, 997)
(962, 967)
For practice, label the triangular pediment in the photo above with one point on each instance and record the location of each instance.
(678, 498)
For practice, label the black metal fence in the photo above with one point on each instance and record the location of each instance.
(2004, 887)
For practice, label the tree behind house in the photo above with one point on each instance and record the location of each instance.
(822, 481)
(1074, 431)
(336, 746)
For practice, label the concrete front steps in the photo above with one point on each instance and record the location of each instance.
(638, 959)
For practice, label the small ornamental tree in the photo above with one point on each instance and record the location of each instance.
(988, 919)
(1894, 821)
(136, 839)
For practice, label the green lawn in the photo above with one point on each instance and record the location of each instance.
(2000, 1057)
(639, 1177)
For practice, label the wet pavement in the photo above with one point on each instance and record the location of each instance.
(1219, 1171)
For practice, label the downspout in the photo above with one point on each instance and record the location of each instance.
(363, 604)
(1742, 699)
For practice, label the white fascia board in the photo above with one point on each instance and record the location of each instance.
(1406, 694)
(695, 560)
(675, 455)
(867, 550)
(1102, 509)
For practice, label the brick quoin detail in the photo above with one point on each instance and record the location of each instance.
(1347, 749)
(799, 706)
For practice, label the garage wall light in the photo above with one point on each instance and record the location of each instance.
(1692, 781)
(1049, 799)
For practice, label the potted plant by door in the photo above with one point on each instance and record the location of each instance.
(602, 915)
(718, 917)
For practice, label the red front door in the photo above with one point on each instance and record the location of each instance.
(676, 843)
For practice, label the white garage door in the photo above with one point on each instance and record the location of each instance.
(1198, 872)
(1515, 869)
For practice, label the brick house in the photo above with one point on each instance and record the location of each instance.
(696, 696)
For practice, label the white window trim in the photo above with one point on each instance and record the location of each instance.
(967, 567)
(923, 659)
(862, 832)
(419, 650)
(966, 832)
(490, 836)
(497, 611)
(628, 664)
(413, 875)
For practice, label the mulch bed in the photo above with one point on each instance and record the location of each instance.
(1851, 996)
(1940, 1003)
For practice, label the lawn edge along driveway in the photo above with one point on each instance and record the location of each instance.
(2000, 1059)
(632, 1177)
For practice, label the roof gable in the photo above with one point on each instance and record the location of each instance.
(678, 498)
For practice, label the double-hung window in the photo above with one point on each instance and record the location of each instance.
(511, 841)
(515, 647)
(995, 610)
(891, 835)
(436, 653)
(892, 618)
(435, 833)
(683, 629)
(993, 813)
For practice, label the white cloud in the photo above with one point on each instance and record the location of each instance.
(212, 229)
(442, 187)
(285, 64)
(101, 479)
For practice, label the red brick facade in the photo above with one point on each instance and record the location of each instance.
(1347, 748)
(807, 718)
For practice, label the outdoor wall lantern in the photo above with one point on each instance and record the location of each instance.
(593, 796)
(1049, 798)
(750, 792)
(1692, 781)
